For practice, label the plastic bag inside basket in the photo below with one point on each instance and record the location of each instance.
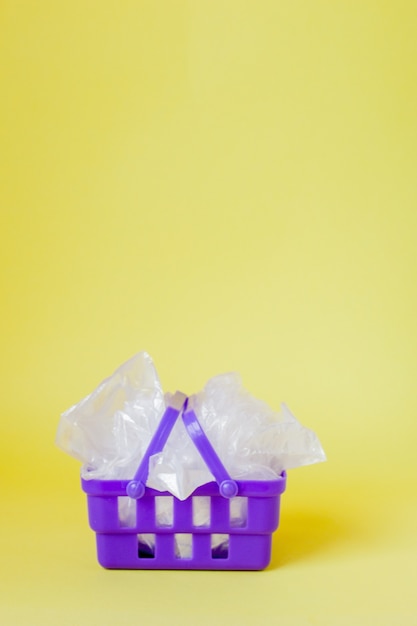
(110, 430)
(253, 441)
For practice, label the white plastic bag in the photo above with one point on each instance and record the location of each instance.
(110, 430)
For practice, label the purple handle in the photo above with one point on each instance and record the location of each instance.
(136, 487)
(228, 488)
(179, 403)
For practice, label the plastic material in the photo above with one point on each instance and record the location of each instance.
(111, 428)
(111, 431)
(252, 441)
(228, 487)
(136, 487)
(222, 542)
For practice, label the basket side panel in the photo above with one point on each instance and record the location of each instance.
(103, 514)
(250, 552)
(263, 514)
(117, 551)
(246, 552)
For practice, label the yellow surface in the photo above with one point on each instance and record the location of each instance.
(229, 186)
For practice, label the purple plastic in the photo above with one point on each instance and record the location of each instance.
(136, 487)
(248, 547)
(228, 488)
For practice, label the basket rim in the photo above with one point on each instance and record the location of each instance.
(247, 488)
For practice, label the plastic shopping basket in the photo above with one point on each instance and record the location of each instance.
(149, 544)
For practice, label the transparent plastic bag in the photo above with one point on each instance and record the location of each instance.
(110, 430)
(252, 441)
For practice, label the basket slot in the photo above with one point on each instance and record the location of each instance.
(219, 546)
(238, 512)
(201, 511)
(126, 508)
(146, 546)
(183, 545)
(164, 511)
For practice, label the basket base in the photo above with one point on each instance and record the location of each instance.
(124, 551)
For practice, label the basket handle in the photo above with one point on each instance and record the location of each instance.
(179, 403)
(136, 487)
(228, 488)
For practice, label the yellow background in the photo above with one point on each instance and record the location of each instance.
(229, 185)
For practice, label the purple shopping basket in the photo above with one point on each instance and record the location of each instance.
(224, 542)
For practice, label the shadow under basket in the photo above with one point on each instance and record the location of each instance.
(222, 541)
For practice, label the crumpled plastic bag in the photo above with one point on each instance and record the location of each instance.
(252, 441)
(110, 430)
